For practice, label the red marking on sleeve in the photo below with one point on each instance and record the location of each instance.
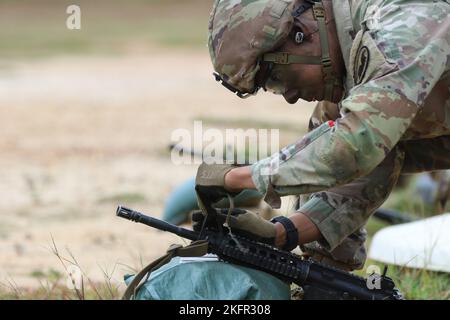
(331, 123)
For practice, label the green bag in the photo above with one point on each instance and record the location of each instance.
(210, 280)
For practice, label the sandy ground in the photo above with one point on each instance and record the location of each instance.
(78, 133)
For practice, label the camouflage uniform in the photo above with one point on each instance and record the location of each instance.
(395, 118)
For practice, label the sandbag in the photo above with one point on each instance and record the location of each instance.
(210, 280)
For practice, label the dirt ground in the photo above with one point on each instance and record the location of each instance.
(81, 135)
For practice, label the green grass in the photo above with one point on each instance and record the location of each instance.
(36, 29)
(422, 284)
(130, 197)
(50, 274)
(405, 199)
(416, 284)
(57, 290)
(53, 284)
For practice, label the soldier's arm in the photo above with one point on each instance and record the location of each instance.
(373, 121)
(241, 178)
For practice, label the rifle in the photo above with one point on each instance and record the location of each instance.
(317, 281)
(392, 216)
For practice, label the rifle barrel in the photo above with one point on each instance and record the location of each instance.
(155, 223)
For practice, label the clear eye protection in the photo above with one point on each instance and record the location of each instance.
(239, 93)
(260, 83)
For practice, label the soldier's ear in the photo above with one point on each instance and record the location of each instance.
(300, 31)
(297, 35)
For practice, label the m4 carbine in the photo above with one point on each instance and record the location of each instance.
(317, 281)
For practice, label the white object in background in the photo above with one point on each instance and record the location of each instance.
(423, 244)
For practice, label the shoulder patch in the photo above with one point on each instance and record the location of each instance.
(362, 61)
(367, 61)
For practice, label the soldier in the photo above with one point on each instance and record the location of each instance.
(381, 71)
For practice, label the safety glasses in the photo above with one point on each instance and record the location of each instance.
(260, 83)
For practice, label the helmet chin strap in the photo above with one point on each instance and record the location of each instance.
(329, 77)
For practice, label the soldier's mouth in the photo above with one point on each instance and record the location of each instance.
(309, 95)
(292, 96)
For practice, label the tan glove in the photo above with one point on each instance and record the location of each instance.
(210, 183)
(241, 222)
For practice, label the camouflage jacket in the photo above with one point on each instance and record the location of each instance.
(396, 54)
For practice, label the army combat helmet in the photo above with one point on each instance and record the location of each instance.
(244, 33)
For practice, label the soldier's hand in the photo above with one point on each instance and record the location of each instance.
(210, 183)
(241, 222)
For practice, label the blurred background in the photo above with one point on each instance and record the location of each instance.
(87, 117)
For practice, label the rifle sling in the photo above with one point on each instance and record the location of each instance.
(195, 249)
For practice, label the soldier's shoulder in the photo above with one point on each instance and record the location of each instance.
(408, 43)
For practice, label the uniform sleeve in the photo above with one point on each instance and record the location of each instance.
(338, 152)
